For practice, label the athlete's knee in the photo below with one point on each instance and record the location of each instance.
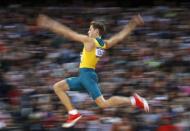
(60, 86)
(56, 88)
(102, 105)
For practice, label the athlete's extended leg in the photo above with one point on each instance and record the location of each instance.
(115, 101)
(90, 82)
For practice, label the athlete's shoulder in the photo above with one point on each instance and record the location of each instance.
(100, 42)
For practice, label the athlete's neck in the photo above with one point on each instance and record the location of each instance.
(98, 36)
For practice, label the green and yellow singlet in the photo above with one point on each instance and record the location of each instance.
(89, 59)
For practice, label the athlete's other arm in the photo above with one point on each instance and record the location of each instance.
(133, 23)
(53, 25)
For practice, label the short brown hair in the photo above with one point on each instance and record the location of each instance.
(100, 26)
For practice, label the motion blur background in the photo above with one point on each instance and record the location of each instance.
(154, 61)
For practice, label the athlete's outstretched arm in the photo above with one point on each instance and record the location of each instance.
(48, 23)
(136, 20)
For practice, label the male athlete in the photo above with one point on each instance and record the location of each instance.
(94, 47)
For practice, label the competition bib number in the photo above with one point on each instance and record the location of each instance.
(99, 52)
(81, 57)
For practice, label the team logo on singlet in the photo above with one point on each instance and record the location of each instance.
(99, 52)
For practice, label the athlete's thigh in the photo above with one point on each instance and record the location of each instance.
(63, 84)
(90, 83)
(74, 84)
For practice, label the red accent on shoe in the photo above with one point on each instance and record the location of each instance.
(141, 102)
(71, 120)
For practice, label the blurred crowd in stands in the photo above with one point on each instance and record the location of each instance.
(153, 61)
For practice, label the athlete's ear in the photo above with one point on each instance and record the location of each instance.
(97, 31)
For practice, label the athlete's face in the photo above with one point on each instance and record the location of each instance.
(92, 32)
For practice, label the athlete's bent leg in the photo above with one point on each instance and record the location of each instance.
(60, 89)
